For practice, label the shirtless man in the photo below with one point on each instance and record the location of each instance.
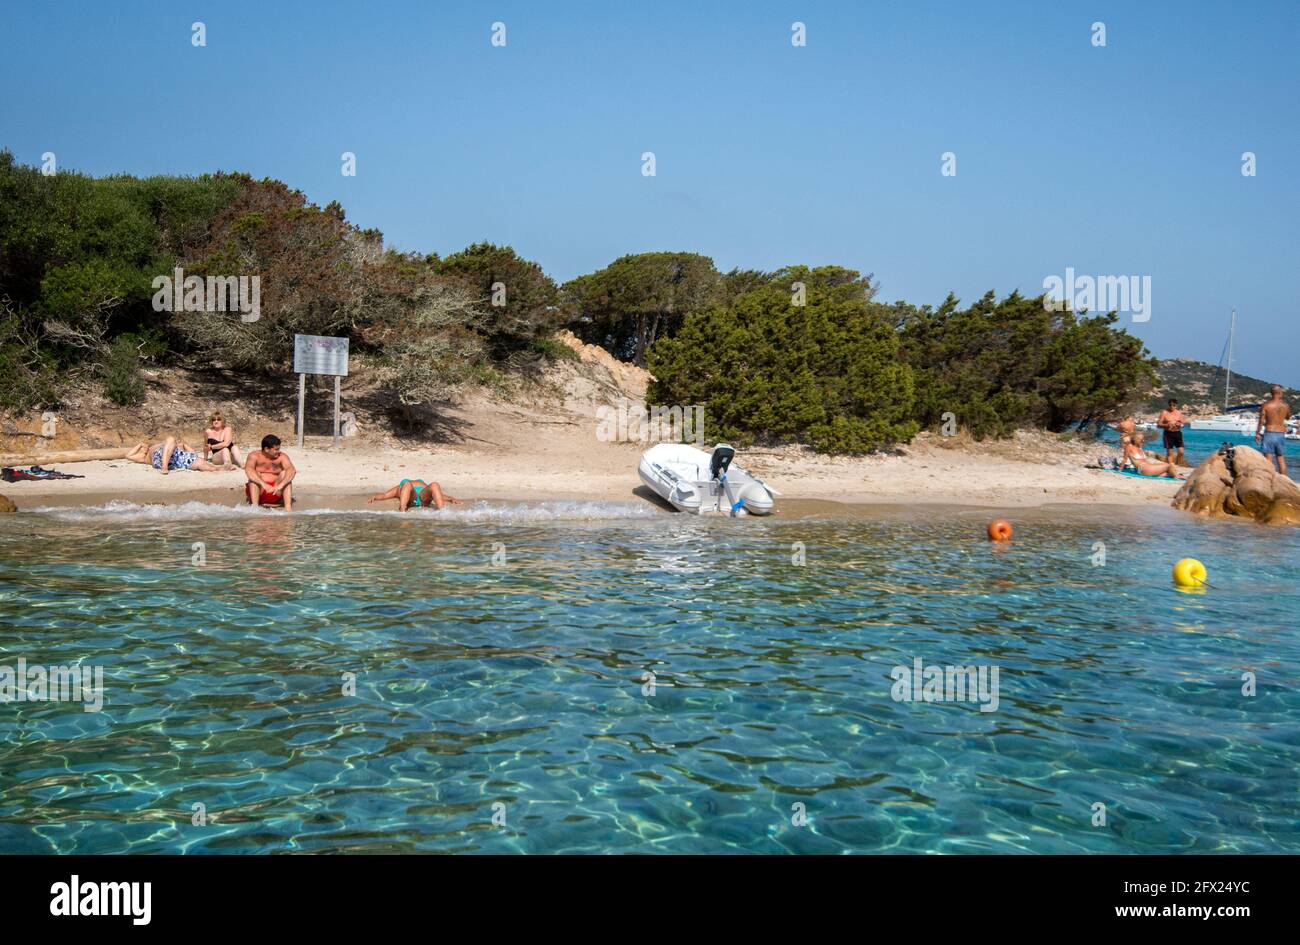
(1127, 426)
(270, 475)
(1171, 421)
(1271, 432)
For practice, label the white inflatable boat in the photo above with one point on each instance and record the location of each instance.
(691, 480)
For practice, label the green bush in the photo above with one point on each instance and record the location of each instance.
(1001, 365)
(123, 384)
(517, 299)
(77, 255)
(552, 349)
(766, 371)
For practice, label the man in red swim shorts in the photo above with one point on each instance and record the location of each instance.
(270, 474)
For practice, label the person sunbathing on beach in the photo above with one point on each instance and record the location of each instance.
(221, 441)
(415, 494)
(1136, 459)
(170, 454)
(270, 475)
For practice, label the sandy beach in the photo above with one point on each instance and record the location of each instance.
(573, 464)
(545, 443)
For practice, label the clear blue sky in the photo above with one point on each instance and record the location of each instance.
(1116, 161)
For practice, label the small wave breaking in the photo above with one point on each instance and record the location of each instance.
(523, 513)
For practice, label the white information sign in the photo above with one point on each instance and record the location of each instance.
(318, 354)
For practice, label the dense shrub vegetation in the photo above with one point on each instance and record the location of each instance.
(845, 373)
(798, 355)
(77, 256)
(826, 372)
(522, 312)
(78, 259)
(999, 365)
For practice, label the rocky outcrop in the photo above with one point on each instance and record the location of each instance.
(1252, 488)
(7, 504)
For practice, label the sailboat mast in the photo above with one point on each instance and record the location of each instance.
(1232, 331)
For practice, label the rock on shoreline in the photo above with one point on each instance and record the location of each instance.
(1256, 491)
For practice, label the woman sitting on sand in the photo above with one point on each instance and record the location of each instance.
(1136, 459)
(221, 441)
(168, 455)
(415, 494)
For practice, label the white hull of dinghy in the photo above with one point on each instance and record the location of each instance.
(680, 475)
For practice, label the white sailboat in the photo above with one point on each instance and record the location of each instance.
(1242, 421)
(1243, 424)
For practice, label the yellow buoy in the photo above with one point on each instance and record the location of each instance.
(1189, 572)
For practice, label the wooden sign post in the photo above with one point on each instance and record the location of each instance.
(319, 354)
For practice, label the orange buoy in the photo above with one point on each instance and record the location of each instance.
(999, 530)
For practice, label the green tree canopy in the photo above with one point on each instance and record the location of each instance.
(518, 299)
(842, 372)
(999, 365)
(826, 373)
(636, 300)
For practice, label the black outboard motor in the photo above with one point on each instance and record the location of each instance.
(721, 461)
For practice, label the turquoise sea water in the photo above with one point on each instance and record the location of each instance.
(517, 687)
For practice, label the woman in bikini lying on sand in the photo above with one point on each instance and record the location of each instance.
(1135, 458)
(415, 494)
(168, 455)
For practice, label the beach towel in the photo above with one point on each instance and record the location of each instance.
(9, 474)
(1137, 475)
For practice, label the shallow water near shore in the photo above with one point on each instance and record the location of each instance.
(501, 655)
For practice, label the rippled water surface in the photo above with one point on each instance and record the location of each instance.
(501, 659)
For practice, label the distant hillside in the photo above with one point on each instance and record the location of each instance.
(1199, 388)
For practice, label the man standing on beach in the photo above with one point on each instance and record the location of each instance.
(270, 475)
(1171, 421)
(1271, 432)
